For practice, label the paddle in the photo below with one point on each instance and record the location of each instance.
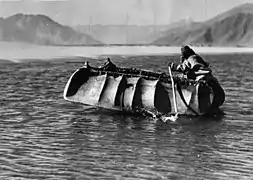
(175, 116)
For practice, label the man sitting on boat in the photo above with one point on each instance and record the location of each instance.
(192, 65)
(195, 68)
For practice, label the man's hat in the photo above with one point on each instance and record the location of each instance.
(187, 51)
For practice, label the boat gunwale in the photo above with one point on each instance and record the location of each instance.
(135, 72)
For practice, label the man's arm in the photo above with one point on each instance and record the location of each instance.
(175, 67)
(184, 67)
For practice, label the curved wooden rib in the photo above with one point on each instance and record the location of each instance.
(162, 100)
(131, 94)
(148, 89)
(89, 93)
(108, 95)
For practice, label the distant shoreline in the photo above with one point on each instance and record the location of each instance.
(18, 52)
(141, 45)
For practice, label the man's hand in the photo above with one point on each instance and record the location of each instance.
(172, 66)
(182, 58)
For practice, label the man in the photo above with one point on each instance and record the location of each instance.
(195, 68)
(192, 65)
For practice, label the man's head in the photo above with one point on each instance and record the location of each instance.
(187, 51)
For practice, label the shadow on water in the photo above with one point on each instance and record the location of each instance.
(122, 124)
(192, 147)
(148, 147)
(137, 121)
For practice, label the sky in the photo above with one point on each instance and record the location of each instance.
(140, 12)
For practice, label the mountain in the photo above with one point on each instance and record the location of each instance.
(128, 34)
(231, 28)
(40, 29)
(122, 34)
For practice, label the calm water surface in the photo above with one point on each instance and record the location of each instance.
(44, 137)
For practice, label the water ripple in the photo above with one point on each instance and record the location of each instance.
(44, 137)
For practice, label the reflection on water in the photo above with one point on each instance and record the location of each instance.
(45, 137)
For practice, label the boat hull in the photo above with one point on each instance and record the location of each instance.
(136, 93)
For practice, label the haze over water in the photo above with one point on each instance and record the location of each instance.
(44, 137)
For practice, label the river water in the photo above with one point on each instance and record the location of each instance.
(44, 137)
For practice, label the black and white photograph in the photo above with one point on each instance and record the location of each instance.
(126, 89)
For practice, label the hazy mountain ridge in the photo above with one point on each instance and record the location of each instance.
(129, 34)
(231, 28)
(123, 34)
(40, 29)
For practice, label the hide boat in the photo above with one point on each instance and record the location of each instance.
(136, 90)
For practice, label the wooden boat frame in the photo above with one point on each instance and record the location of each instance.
(110, 71)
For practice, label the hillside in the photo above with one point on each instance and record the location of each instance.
(40, 29)
(231, 28)
(129, 34)
(122, 34)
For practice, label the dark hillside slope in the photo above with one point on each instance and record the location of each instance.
(232, 28)
(40, 29)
